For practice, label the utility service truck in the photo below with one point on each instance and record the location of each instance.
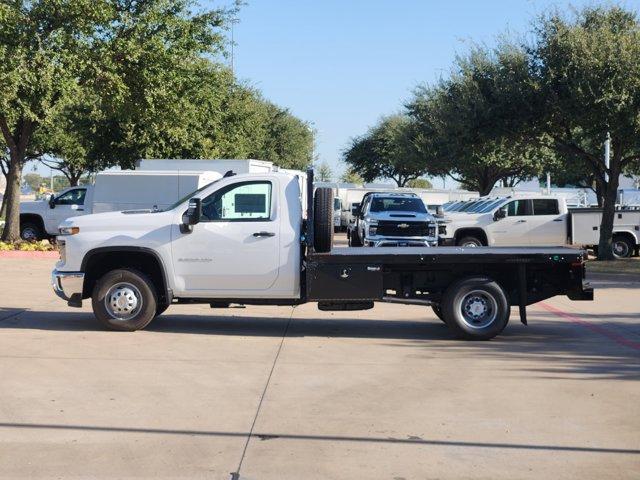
(535, 220)
(252, 239)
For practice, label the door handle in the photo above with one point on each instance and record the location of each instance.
(521, 221)
(264, 234)
(559, 220)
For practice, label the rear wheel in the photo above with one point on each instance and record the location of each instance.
(31, 232)
(475, 308)
(622, 247)
(124, 300)
(471, 242)
(323, 219)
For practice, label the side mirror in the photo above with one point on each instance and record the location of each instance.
(192, 216)
(355, 211)
(500, 214)
(52, 201)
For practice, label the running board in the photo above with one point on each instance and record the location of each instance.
(409, 301)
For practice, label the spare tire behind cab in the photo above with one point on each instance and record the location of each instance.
(323, 219)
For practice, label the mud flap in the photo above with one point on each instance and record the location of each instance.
(522, 292)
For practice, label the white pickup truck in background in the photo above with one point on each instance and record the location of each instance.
(536, 221)
(112, 191)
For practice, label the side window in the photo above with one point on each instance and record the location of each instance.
(516, 208)
(72, 197)
(545, 206)
(248, 201)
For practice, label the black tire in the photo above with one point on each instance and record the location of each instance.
(470, 241)
(126, 278)
(438, 311)
(31, 231)
(468, 293)
(323, 219)
(622, 246)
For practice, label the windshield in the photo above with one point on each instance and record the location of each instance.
(188, 196)
(468, 206)
(397, 204)
(490, 206)
(479, 205)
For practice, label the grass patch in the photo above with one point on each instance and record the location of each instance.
(624, 265)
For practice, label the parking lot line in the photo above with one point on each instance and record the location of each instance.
(619, 339)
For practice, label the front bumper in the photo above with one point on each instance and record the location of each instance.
(68, 286)
(379, 241)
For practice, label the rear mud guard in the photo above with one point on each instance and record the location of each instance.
(522, 292)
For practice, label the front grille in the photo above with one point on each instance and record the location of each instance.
(388, 228)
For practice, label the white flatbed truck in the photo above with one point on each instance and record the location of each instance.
(246, 239)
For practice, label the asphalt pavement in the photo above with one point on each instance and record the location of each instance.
(295, 393)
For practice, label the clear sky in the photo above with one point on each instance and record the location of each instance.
(340, 65)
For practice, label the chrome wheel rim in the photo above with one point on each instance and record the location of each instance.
(123, 301)
(620, 249)
(478, 309)
(29, 234)
(470, 244)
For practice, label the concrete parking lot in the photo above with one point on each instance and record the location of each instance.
(294, 393)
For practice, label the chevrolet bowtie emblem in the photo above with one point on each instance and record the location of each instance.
(403, 225)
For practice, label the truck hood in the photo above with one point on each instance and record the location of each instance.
(36, 206)
(402, 216)
(114, 223)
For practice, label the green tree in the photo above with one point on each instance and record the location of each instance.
(349, 176)
(457, 123)
(33, 180)
(324, 173)
(388, 150)
(419, 183)
(134, 57)
(576, 81)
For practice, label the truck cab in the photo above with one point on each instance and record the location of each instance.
(40, 218)
(508, 221)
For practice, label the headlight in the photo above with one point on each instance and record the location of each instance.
(68, 230)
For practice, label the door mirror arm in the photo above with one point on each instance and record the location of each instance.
(52, 201)
(499, 215)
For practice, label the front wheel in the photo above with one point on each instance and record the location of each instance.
(31, 232)
(475, 308)
(125, 300)
(471, 242)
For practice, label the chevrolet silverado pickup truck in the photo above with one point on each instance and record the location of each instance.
(536, 221)
(266, 239)
(386, 219)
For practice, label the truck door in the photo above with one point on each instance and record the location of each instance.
(511, 230)
(547, 226)
(235, 247)
(68, 204)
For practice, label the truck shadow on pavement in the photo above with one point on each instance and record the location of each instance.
(553, 348)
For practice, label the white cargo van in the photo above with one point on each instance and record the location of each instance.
(112, 191)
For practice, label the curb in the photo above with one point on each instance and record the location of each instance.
(23, 254)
